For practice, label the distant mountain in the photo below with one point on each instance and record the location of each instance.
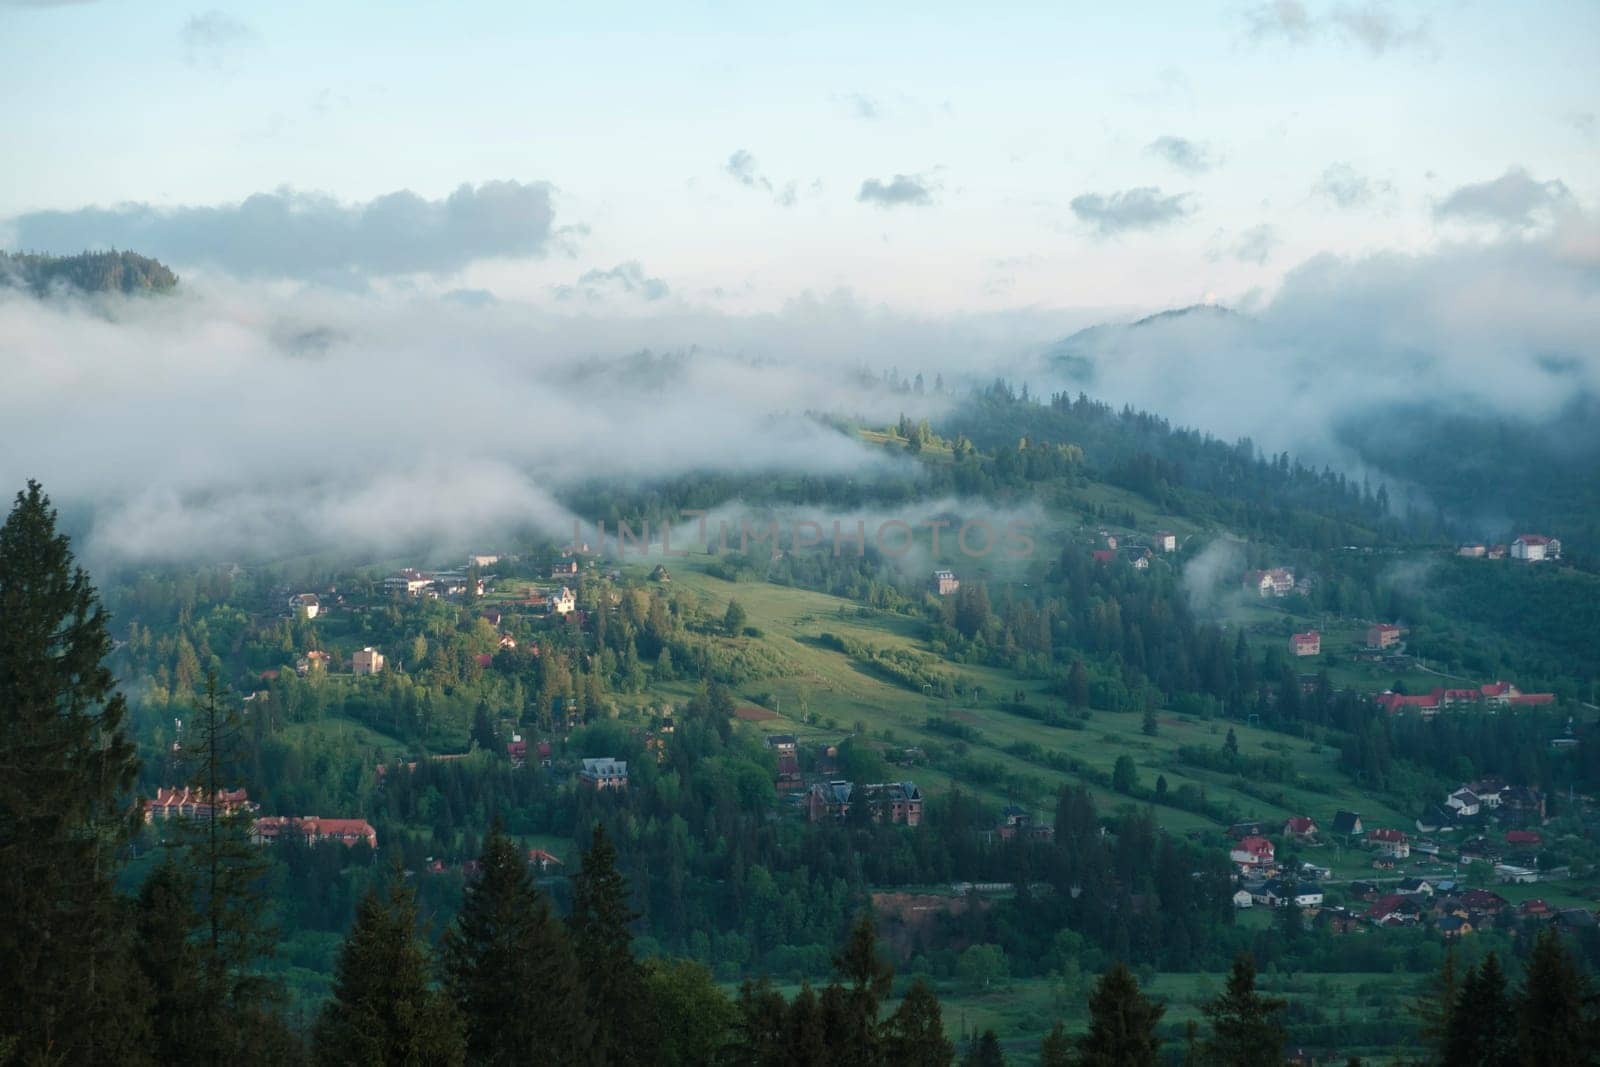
(1076, 355)
(89, 272)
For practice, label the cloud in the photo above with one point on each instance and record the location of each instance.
(208, 37)
(741, 167)
(1255, 245)
(240, 420)
(1143, 208)
(1584, 122)
(862, 106)
(1372, 26)
(1514, 199)
(626, 279)
(1508, 326)
(1348, 188)
(902, 189)
(1191, 157)
(309, 236)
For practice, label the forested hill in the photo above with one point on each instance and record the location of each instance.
(90, 272)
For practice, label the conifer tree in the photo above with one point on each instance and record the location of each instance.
(984, 1051)
(66, 768)
(384, 1010)
(762, 1023)
(613, 981)
(851, 1010)
(916, 1030)
(1245, 1031)
(1056, 1048)
(1554, 1020)
(1483, 1030)
(807, 1043)
(1434, 1004)
(510, 968)
(164, 950)
(1122, 1023)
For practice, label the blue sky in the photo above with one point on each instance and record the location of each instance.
(717, 155)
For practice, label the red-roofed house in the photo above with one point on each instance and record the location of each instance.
(1523, 837)
(1394, 703)
(1104, 556)
(1300, 826)
(1252, 852)
(187, 803)
(1391, 843)
(1306, 644)
(541, 859)
(484, 659)
(313, 829)
(1393, 909)
(517, 750)
(1279, 581)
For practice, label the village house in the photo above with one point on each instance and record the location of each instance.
(945, 582)
(1347, 823)
(1279, 581)
(313, 829)
(895, 802)
(315, 660)
(1533, 548)
(1306, 644)
(562, 602)
(788, 753)
(1138, 557)
(1393, 909)
(1243, 899)
(305, 604)
(1391, 843)
(1018, 822)
(1381, 635)
(1453, 926)
(517, 751)
(564, 568)
(604, 773)
(368, 661)
(1473, 551)
(1166, 541)
(190, 803)
(1493, 695)
(482, 560)
(541, 860)
(408, 582)
(1103, 555)
(1300, 827)
(1252, 852)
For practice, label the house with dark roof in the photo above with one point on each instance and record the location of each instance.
(603, 774)
(1453, 926)
(1347, 823)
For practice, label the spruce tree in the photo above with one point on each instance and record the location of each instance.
(230, 880)
(1056, 1048)
(850, 1010)
(613, 981)
(1245, 1031)
(510, 968)
(384, 1011)
(1122, 1023)
(807, 1041)
(66, 768)
(1554, 1022)
(168, 959)
(916, 1030)
(1434, 1004)
(1483, 1030)
(762, 1023)
(984, 1051)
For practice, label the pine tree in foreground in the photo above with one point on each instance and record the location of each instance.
(384, 1012)
(66, 768)
(1434, 1004)
(510, 968)
(984, 1051)
(850, 1003)
(1482, 1026)
(916, 1030)
(1122, 1023)
(613, 981)
(1556, 1022)
(1055, 1048)
(1245, 1031)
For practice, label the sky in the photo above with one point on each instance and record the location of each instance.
(930, 158)
(443, 262)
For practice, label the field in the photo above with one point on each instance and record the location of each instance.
(824, 694)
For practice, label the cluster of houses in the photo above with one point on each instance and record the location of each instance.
(192, 803)
(416, 584)
(1493, 696)
(1135, 554)
(1453, 909)
(1529, 548)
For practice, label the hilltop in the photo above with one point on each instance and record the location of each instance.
(89, 272)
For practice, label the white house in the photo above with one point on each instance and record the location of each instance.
(1243, 899)
(307, 603)
(1464, 802)
(564, 602)
(1532, 548)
